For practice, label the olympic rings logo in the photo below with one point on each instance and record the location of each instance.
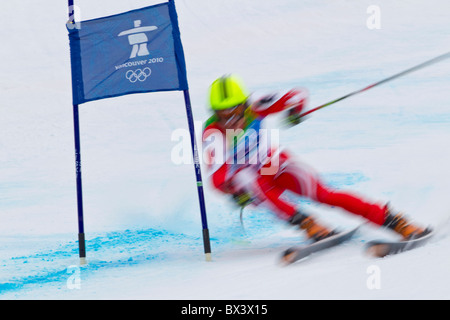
(138, 75)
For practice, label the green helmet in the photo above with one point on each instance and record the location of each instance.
(227, 92)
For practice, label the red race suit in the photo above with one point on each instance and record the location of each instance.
(243, 161)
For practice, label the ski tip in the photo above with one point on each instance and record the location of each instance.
(378, 250)
(382, 248)
(287, 256)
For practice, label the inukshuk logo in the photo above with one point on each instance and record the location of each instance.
(138, 40)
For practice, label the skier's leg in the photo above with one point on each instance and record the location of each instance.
(303, 180)
(377, 213)
(289, 212)
(349, 201)
(272, 198)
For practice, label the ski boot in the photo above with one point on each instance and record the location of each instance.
(398, 223)
(314, 230)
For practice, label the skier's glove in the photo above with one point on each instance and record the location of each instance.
(293, 118)
(242, 199)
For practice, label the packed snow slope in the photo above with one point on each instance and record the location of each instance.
(142, 218)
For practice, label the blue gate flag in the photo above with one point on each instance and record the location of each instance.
(133, 52)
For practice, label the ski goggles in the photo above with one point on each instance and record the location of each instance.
(231, 115)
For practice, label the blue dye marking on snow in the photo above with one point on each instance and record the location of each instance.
(339, 179)
(105, 251)
(133, 247)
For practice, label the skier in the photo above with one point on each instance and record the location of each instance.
(230, 146)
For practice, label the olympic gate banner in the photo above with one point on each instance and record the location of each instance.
(134, 52)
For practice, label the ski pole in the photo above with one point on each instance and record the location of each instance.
(241, 219)
(400, 74)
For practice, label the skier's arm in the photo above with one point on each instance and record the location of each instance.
(214, 153)
(223, 176)
(221, 179)
(294, 101)
(226, 182)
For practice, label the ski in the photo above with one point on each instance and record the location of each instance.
(297, 253)
(382, 248)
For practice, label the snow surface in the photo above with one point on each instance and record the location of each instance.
(142, 219)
